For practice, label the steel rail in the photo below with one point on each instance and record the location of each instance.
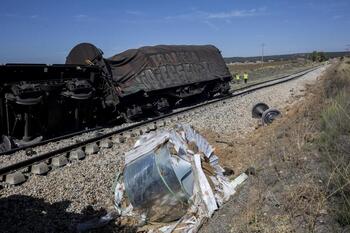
(54, 139)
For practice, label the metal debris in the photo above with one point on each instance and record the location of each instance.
(173, 178)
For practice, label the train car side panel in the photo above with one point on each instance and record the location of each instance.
(160, 67)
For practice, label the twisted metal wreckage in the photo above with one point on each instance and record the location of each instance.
(171, 178)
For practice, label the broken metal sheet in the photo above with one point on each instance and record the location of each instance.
(173, 178)
(146, 144)
(192, 136)
(203, 187)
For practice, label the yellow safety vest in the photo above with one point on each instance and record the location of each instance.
(237, 77)
(245, 76)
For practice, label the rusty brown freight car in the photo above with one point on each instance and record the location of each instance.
(158, 76)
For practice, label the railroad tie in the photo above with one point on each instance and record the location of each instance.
(40, 169)
(15, 178)
(59, 161)
(92, 149)
(107, 143)
(76, 154)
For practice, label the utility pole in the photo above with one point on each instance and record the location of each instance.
(262, 54)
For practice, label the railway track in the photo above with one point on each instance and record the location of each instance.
(41, 164)
(70, 135)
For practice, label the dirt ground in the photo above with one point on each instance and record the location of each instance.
(252, 66)
(288, 185)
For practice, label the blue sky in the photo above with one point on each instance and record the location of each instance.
(45, 31)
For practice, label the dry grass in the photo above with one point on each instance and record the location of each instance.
(302, 163)
(285, 195)
(334, 141)
(241, 67)
(267, 71)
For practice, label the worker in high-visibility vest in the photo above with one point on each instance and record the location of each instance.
(237, 77)
(245, 77)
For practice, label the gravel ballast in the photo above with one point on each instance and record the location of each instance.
(83, 189)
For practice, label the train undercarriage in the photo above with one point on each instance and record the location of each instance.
(143, 104)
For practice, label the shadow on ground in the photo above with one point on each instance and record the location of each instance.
(21, 214)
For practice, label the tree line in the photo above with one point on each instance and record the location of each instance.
(318, 56)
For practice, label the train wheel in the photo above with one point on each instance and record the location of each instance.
(124, 117)
(162, 105)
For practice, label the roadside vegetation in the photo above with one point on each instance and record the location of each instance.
(316, 56)
(334, 140)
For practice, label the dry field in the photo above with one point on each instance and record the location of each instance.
(267, 71)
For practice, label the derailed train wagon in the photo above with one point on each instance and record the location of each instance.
(40, 101)
(156, 77)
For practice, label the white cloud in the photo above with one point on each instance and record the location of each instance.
(195, 14)
(211, 25)
(337, 16)
(83, 18)
(19, 16)
(10, 15)
(209, 18)
(233, 14)
(189, 16)
(131, 12)
(80, 16)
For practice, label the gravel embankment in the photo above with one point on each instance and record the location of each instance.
(235, 116)
(64, 196)
(57, 201)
